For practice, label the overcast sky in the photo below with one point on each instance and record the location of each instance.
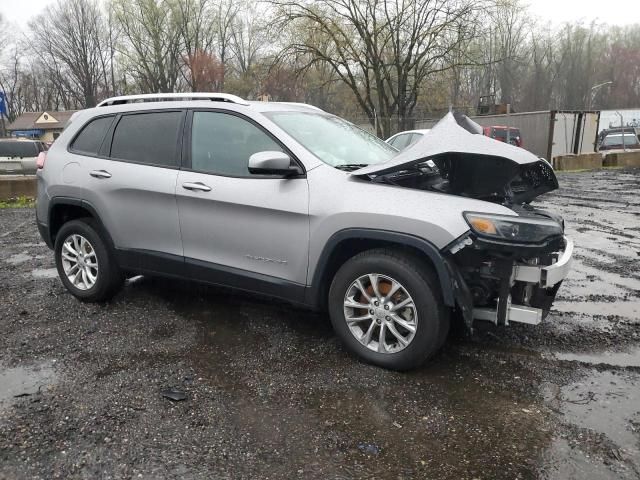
(615, 12)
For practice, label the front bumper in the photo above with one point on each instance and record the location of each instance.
(547, 277)
(536, 285)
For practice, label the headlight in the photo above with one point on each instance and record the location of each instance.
(514, 229)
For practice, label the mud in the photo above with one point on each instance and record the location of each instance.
(270, 393)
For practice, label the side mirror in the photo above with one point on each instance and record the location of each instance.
(272, 163)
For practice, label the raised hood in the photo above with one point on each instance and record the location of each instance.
(472, 164)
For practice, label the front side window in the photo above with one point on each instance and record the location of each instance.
(333, 140)
(150, 138)
(222, 143)
(91, 136)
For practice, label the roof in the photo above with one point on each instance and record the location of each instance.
(37, 120)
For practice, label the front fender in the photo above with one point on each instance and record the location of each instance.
(445, 272)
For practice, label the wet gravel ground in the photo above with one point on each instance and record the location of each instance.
(270, 393)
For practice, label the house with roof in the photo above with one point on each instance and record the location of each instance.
(43, 126)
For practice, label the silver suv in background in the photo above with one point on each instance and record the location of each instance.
(18, 156)
(292, 202)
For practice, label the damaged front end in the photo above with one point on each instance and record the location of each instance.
(510, 268)
(506, 268)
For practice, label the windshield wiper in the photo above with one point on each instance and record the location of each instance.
(350, 167)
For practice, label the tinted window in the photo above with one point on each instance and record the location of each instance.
(91, 136)
(147, 138)
(18, 149)
(222, 143)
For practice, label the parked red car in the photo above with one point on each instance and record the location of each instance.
(500, 133)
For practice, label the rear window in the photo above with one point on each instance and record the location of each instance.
(18, 149)
(91, 136)
(501, 133)
(150, 138)
(615, 140)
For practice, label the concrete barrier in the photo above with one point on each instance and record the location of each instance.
(13, 186)
(583, 161)
(622, 159)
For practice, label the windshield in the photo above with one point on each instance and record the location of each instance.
(616, 140)
(18, 149)
(333, 140)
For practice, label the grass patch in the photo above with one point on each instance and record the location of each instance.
(18, 202)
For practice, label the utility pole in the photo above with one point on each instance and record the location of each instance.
(3, 112)
(624, 148)
(593, 91)
(508, 124)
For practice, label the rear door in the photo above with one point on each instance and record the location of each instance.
(131, 182)
(239, 229)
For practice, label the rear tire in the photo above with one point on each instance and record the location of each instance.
(85, 263)
(410, 324)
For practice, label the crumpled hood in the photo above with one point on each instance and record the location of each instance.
(474, 164)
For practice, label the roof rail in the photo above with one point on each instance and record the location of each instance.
(162, 97)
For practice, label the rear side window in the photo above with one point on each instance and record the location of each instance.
(414, 138)
(91, 136)
(401, 141)
(150, 138)
(18, 149)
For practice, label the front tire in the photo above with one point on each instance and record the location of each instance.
(386, 308)
(85, 263)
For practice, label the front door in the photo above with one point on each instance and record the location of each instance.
(238, 229)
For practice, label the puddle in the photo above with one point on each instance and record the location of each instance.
(616, 359)
(606, 403)
(19, 258)
(618, 308)
(18, 381)
(44, 273)
(563, 461)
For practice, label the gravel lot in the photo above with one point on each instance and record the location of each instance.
(270, 393)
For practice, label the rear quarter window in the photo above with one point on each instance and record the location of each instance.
(91, 136)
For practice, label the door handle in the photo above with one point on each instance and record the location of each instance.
(196, 186)
(100, 174)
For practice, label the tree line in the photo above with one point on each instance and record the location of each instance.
(385, 62)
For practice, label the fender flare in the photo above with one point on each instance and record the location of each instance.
(75, 202)
(442, 267)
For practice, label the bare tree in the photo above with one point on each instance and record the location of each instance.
(151, 42)
(383, 50)
(197, 29)
(225, 15)
(69, 40)
(511, 27)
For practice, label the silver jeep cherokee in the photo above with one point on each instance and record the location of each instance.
(289, 201)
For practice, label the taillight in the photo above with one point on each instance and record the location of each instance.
(42, 156)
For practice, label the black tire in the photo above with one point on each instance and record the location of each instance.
(419, 281)
(109, 277)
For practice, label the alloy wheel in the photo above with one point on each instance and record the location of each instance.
(79, 262)
(380, 313)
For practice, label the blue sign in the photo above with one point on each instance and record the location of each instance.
(3, 105)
